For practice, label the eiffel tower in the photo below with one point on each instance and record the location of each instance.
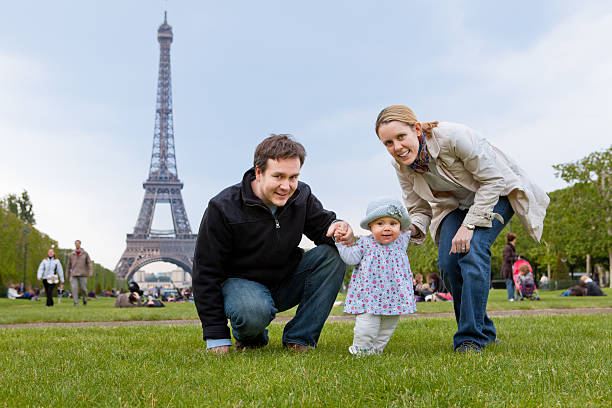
(147, 245)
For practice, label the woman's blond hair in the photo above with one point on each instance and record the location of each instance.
(402, 114)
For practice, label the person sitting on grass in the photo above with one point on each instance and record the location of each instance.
(592, 289)
(438, 289)
(417, 283)
(381, 288)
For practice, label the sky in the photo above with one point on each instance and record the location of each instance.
(78, 81)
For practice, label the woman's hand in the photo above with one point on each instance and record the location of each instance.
(461, 241)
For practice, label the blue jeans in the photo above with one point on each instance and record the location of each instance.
(313, 286)
(468, 275)
(510, 288)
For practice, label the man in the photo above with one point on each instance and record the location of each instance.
(248, 265)
(77, 269)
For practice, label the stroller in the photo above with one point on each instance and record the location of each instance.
(525, 287)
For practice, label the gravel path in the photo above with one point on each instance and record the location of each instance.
(345, 318)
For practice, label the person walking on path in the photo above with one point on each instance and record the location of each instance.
(508, 259)
(248, 265)
(78, 268)
(51, 273)
(463, 188)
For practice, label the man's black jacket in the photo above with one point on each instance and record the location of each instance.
(239, 237)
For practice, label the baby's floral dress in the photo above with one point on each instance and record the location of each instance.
(382, 281)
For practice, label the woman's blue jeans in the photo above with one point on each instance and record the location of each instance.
(510, 288)
(313, 286)
(468, 275)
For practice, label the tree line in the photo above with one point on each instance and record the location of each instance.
(23, 247)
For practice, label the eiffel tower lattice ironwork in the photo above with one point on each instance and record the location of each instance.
(147, 245)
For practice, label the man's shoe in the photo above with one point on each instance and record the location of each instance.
(241, 347)
(469, 347)
(297, 347)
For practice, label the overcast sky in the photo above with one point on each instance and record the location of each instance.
(78, 83)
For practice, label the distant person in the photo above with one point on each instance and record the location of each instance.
(576, 290)
(525, 281)
(60, 293)
(454, 181)
(592, 288)
(544, 282)
(128, 299)
(133, 298)
(248, 265)
(51, 273)
(78, 268)
(508, 259)
(381, 289)
(418, 283)
(436, 289)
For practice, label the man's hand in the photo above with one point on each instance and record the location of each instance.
(219, 350)
(342, 233)
(461, 241)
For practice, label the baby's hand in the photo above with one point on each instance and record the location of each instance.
(342, 233)
(339, 233)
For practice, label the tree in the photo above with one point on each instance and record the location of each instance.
(592, 178)
(21, 206)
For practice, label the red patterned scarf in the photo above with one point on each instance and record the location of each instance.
(421, 163)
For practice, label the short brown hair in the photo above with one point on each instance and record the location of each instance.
(278, 147)
(510, 237)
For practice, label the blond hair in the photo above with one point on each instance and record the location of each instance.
(405, 115)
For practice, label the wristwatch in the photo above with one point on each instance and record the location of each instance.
(471, 227)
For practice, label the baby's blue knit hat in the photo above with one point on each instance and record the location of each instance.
(386, 207)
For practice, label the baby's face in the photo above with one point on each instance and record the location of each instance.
(385, 230)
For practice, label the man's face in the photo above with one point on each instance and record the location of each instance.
(278, 182)
(77, 244)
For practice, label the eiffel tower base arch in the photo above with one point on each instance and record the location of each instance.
(140, 252)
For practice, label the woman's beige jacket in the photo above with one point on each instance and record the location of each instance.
(466, 158)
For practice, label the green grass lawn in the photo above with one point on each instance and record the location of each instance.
(545, 361)
(23, 311)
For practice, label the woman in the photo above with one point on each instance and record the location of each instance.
(508, 259)
(50, 271)
(454, 182)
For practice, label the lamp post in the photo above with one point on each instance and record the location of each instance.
(26, 231)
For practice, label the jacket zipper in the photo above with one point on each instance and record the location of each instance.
(277, 224)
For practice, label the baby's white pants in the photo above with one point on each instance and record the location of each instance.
(372, 333)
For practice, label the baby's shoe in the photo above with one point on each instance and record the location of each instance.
(361, 351)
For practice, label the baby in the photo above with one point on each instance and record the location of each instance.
(381, 286)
